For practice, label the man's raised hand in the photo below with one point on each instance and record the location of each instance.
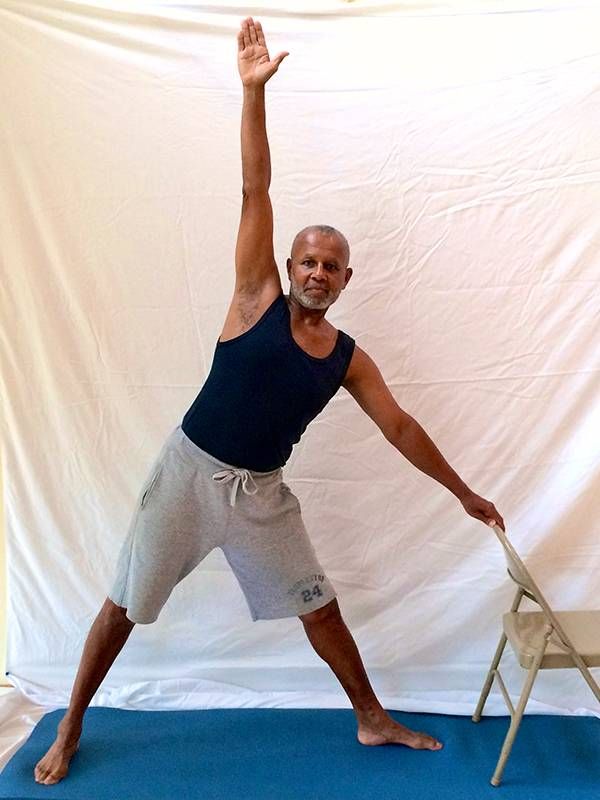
(253, 57)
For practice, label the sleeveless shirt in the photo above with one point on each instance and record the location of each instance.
(262, 391)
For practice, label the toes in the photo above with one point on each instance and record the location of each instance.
(46, 776)
(54, 777)
(430, 743)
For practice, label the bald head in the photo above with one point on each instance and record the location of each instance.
(318, 267)
(324, 230)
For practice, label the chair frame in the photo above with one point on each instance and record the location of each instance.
(526, 588)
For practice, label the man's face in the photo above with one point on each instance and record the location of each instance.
(317, 270)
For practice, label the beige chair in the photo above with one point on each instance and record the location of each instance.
(541, 640)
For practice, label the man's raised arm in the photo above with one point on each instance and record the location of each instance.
(254, 257)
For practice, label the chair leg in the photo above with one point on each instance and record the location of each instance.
(518, 715)
(490, 678)
(495, 661)
(587, 676)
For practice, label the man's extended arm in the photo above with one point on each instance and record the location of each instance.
(415, 445)
(255, 264)
(365, 383)
(256, 159)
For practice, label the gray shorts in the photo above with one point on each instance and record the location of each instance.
(191, 503)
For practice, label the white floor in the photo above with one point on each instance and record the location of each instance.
(18, 717)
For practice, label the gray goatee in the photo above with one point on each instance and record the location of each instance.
(316, 300)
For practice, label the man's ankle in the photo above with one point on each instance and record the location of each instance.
(374, 712)
(70, 726)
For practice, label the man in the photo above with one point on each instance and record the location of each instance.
(217, 480)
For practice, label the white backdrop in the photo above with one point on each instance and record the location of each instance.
(459, 152)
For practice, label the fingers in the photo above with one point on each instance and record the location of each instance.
(245, 31)
(494, 518)
(251, 30)
(250, 33)
(259, 33)
(497, 518)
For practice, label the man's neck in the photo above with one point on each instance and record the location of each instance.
(311, 318)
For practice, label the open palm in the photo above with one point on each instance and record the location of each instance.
(254, 63)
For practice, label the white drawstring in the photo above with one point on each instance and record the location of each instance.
(236, 475)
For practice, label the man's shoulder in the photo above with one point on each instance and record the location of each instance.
(357, 368)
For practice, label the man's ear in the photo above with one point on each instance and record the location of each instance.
(348, 276)
(288, 265)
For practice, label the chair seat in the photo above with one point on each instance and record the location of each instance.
(525, 632)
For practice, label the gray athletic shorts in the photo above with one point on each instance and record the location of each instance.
(191, 503)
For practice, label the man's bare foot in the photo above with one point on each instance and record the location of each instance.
(387, 731)
(55, 764)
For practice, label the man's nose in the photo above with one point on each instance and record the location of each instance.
(319, 271)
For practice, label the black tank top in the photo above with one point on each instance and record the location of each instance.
(262, 391)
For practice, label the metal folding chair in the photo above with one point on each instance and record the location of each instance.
(541, 640)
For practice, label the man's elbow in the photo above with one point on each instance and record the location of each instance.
(256, 189)
(252, 188)
(398, 430)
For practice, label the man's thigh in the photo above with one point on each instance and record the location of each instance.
(273, 559)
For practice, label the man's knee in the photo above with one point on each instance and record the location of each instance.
(329, 611)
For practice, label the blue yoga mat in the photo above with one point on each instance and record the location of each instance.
(307, 754)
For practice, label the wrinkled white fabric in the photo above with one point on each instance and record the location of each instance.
(459, 154)
(18, 717)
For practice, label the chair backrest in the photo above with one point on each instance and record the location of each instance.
(521, 576)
